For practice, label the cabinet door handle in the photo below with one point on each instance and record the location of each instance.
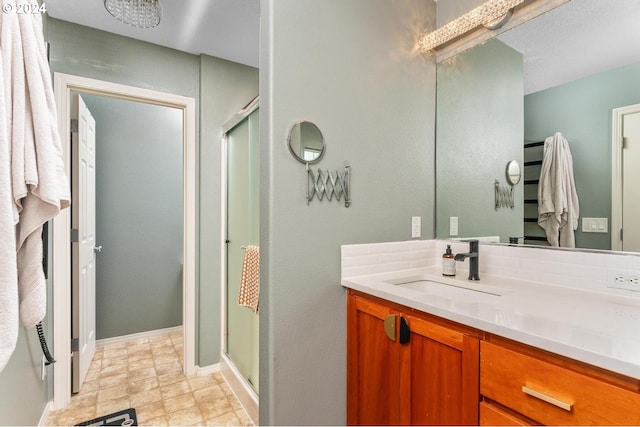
(546, 398)
(405, 332)
(390, 326)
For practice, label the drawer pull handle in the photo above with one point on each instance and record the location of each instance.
(546, 398)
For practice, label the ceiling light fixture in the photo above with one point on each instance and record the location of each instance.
(492, 14)
(136, 13)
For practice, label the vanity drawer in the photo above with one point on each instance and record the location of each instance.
(491, 415)
(552, 394)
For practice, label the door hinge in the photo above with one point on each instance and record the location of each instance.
(74, 125)
(621, 234)
(75, 235)
(75, 344)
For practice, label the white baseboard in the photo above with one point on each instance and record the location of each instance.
(240, 387)
(45, 413)
(138, 336)
(207, 370)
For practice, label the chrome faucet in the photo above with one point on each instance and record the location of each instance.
(473, 256)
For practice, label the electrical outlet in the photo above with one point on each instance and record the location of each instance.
(416, 227)
(624, 279)
(595, 225)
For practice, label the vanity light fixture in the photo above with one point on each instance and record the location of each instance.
(136, 13)
(493, 14)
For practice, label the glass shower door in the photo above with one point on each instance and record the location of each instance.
(243, 196)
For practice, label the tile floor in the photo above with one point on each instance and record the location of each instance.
(146, 374)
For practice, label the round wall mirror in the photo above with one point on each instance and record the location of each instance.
(513, 172)
(306, 142)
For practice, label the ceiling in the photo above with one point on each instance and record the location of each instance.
(578, 39)
(228, 29)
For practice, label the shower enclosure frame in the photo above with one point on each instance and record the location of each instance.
(238, 383)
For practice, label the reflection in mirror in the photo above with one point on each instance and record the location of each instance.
(572, 82)
(306, 142)
(513, 172)
(478, 126)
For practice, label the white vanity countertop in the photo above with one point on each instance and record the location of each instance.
(600, 329)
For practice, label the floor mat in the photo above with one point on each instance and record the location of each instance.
(120, 418)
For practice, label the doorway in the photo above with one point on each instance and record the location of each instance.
(625, 204)
(138, 223)
(64, 85)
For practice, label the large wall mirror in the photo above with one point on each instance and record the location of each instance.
(564, 71)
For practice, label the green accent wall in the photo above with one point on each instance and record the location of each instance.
(582, 111)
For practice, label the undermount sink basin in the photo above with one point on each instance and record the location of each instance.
(445, 290)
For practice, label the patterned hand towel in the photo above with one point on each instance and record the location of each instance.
(249, 295)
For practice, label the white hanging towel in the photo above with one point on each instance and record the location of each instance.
(38, 186)
(8, 219)
(558, 207)
(249, 295)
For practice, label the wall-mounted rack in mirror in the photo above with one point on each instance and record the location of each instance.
(504, 195)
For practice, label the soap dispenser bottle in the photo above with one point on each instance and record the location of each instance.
(448, 263)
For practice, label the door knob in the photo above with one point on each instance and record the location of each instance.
(97, 249)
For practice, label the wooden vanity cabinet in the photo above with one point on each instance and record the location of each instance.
(407, 367)
(421, 370)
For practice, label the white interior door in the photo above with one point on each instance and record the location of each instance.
(84, 243)
(630, 181)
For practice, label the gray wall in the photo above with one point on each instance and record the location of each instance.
(479, 129)
(87, 52)
(23, 395)
(139, 199)
(350, 67)
(582, 110)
